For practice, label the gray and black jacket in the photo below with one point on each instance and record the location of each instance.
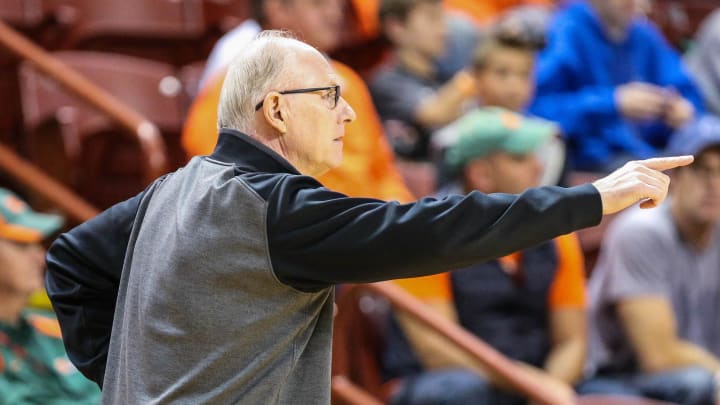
(215, 284)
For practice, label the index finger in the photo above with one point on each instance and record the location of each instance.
(665, 163)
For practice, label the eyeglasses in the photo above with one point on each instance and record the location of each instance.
(333, 94)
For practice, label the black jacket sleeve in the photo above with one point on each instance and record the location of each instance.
(83, 273)
(318, 237)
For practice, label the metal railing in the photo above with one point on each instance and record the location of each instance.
(138, 127)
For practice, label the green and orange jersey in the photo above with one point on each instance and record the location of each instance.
(34, 368)
(567, 289)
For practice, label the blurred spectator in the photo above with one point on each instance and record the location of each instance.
(367, 169)
(656, 287)
(613, 83)
(703, 59)
(486, 11)
(477, 13)
(462, 34)
(503, 67)
(529, 305)
(317, 22)
(367, 20)
(412, 102)
(34, 368)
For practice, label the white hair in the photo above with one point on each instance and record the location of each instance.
(253, 73)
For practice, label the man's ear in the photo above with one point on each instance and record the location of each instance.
(275, 111)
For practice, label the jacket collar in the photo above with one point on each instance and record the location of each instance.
(248, 154)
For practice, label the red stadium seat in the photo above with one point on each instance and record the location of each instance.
(22, 13)
(359, 338)
(222, 16)
(190, 77)
(420, 177)
(11, 117)
(680, 19)
(80, 145)
(26, 16)
(165, 30)
(225, 15)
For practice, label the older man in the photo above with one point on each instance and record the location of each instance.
(368, 169)
(216, 282)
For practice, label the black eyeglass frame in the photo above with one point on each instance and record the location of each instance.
(308, 90)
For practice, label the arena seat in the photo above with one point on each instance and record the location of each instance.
(22, 13)
(165, 30)
(225, 15)
(190, 75)
(27, 17)
(680, 19)
(83, 147)
(11, 117)
(359, 338)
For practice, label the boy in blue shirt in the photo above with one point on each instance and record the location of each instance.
(612, 83)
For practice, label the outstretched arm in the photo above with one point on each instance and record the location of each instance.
(318, 237)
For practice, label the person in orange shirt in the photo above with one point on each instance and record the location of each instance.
(485, 12)
(529, 305)
(480, 12)
(368, 168)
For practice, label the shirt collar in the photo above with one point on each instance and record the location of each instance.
(247, 153)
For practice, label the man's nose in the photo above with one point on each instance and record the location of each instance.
(348, 114)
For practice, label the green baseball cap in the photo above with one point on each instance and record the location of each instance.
(18, 222)
(487, 130)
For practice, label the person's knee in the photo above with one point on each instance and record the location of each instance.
(444, 387)
(688, 386)
(696, 380)
(466, 387)
(616, 385)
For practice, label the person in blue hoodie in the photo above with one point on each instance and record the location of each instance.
(612, 82)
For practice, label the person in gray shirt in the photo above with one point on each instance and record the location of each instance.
(703, 61)
(656, 287)
(215, 285)
(410, 97)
